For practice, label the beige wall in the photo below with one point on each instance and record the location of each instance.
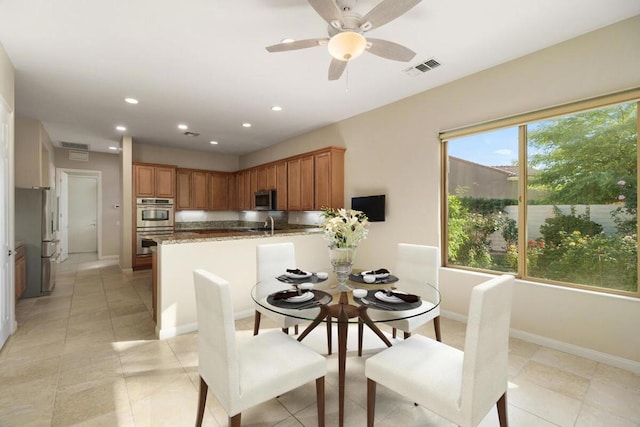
(184, 158)
(395, 150)
(7, 79)
(126, 215)
(109, 166)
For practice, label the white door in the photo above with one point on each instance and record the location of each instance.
(5, 269)
(83, 218)
(63, 215)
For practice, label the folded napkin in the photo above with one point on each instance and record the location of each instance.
(287, 294)
(296, 271)
(375, 272)
(405, 297)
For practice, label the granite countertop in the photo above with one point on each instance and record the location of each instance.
(208, 235)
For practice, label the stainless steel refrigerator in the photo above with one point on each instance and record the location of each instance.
(34, 225)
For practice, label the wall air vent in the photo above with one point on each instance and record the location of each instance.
(189, 133)
(79, 156)
(422, 67)
(75, 145)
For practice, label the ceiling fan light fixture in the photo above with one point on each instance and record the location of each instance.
(347, 45)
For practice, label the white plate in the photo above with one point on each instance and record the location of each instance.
(301, 298)
(377, 276)
(382, 296)
(298, 276)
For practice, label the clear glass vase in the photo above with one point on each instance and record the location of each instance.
(342, 262)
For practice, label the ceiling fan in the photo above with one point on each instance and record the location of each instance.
(346, 39)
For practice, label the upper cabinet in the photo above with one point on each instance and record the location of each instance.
(192, 189)
(219, 191)
(34, 158)
(154, 180)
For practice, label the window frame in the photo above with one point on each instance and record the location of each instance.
(521, 121)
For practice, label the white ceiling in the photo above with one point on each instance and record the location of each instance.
(204, 63)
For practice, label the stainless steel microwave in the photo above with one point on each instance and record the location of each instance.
(265, 200)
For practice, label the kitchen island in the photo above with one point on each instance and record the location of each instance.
(230, 254)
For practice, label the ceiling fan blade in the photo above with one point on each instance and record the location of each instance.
(336, 68)
(390, 50)
(386, 11)
(328, 10)
(297, 44)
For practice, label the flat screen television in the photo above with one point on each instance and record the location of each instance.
(372, 206)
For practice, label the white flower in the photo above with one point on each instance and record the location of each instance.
(344, 228)
(621, 182)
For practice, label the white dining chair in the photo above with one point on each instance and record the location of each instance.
(416, 266)
(273, 260)
(460, 386)
(246, 372)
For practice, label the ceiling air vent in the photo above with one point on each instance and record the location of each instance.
(422, 67)
(189, 133)
(75, 145)
(79, 156)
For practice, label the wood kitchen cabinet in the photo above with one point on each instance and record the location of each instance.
(154, 180)
(328, 179)
(248, 194)
(232, 190)
(192, 189)
(240, 190)
(20, 272)
(218, 191)
(306, 183)
(293, 185)
(272, 176)
(261, 178)
(281, 186)
(300, 184)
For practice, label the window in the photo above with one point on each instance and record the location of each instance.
(550, 197)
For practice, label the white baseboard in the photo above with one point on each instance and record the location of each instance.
(103, 257)
(587, 353)
(165, 333)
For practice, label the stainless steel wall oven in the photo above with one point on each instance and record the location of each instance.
(154, 218)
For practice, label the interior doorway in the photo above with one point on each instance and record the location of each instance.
(79, 211)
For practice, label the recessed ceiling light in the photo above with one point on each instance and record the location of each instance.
(131, 100)
(213, 142)
(121, 128)
(183, 127)
(287, 40)
(113, 148)
(276, 108)
(246, 125)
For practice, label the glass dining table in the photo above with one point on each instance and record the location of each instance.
(374, 304)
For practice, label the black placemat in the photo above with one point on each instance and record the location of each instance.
(381, 281)
(311, 279)
(383, 305)
(319, 298)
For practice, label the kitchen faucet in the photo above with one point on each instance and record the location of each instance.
(266, 222)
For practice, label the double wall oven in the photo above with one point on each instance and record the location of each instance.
(154, 218)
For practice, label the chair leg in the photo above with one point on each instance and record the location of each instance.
(502, 410)
(235, 420)
(202, 400)
(371, 401)
(436, 326)
(360, 336)
(406, 335)
(320, 400)
(256, 322)
(329, 338)
(393, 333)
(296, 330)
(285, 330)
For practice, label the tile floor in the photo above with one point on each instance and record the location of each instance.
(87, 355)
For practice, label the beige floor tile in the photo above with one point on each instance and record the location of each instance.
(17, 372)
(91, 374)
(547, 404)
(555, 379)
(614, 398)
(522, 348)
(609, 375)
(594, 417)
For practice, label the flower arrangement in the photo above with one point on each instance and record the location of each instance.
(344, 228)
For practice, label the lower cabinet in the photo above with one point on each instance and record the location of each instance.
(20, 272)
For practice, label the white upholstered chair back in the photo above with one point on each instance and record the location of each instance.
(417, 265)
(216, 338)
(486, 347)
(273, 260)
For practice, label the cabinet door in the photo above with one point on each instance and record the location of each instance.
(248, 194)
(293, 185)
(306, 184)
(232, 190)
(183, 190)
(165, 182)
(281, 186)
(199, 190)
(218, 191)
(144, 180)
(261, 178)
(240, 189)
(272, 177)
(254, 187)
